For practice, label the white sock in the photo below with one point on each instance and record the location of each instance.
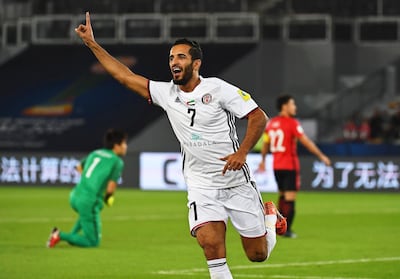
(219, 269)
(270, 221)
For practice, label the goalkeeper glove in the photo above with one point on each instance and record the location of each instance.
(109, 199)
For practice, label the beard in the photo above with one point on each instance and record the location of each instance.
(188, 74)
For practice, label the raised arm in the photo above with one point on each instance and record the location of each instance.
(119, 71)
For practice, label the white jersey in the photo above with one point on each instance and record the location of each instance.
(204, 123)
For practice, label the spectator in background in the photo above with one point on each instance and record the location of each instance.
(376, 124)
(394, 127)
(364, 131)
(350, 130)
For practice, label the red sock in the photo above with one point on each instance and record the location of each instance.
(281, 204)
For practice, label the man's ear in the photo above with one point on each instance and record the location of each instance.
(196, 64)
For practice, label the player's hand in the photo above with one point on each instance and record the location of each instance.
(234, 161)
(261, 167)
(325, 160)
(109, 199)
(85, 32)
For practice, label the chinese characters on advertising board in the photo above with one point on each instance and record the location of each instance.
(39, 170)
(163, 171)
(356, 175)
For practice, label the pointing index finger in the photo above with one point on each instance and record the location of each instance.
(87, 19)
(225, 169)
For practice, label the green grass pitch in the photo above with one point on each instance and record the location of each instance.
(145, 235)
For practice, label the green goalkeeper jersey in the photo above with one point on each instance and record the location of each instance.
(99, 167)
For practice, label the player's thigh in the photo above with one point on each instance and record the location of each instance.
(204, 207)
(246, 210)
(89, 218)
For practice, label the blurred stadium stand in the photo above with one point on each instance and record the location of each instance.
(58, 98)
(331, 20)
(307, 48)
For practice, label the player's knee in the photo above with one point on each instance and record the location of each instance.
(257, 255)
(94, 242)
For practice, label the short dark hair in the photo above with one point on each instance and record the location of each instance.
(283, 100)
(195, 50)
(114, 136)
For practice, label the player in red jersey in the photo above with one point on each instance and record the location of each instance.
(280, 138)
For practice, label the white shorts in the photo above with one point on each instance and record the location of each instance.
(243, 205)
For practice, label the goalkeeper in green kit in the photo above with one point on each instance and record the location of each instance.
(100, 171)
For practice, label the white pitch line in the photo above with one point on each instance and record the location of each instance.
(294, 277)
(35, 220)
(24, 220)
(349, 261)
(268, 266)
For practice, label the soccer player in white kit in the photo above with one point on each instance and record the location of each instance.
(202, 113)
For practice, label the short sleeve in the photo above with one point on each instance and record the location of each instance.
(159, 92)
(236, 100)
(298, 129)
